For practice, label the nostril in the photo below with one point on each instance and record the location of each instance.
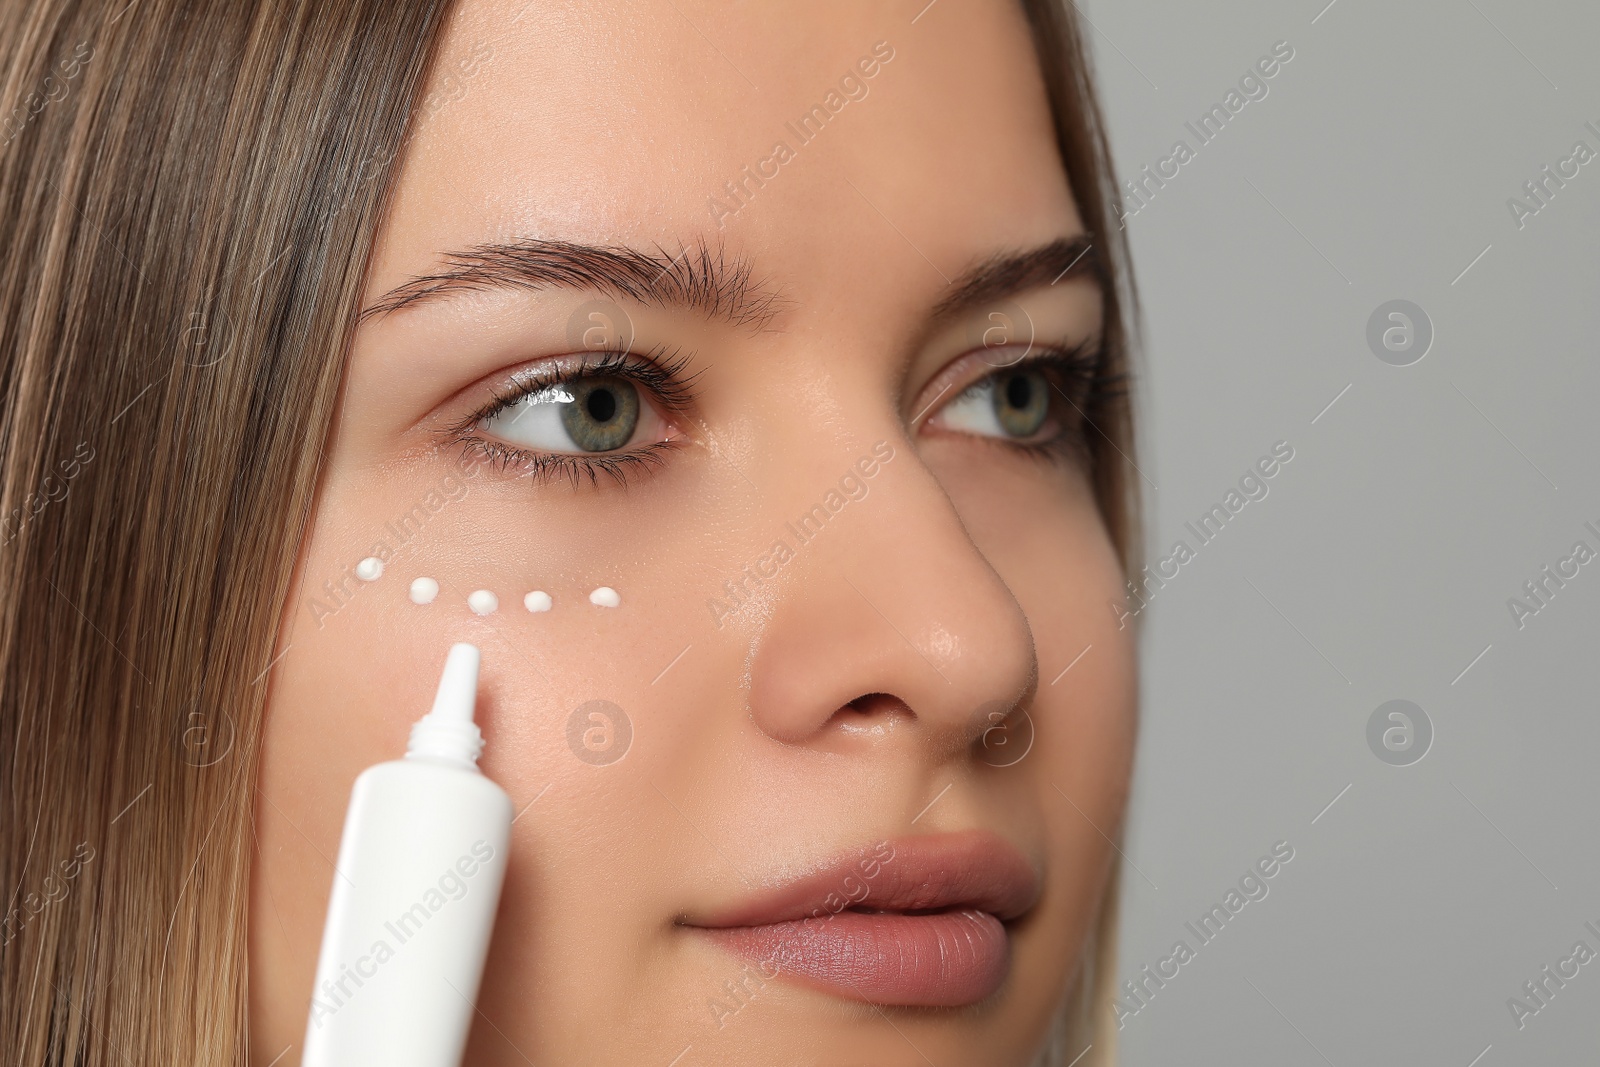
(877, 704)
(871, 715)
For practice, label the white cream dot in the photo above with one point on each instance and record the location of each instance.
(605, 597)
(538, 600)
(370, 569)
(483, 602)
(423, 590)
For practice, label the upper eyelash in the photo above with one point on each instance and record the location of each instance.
(1085, 361)
(659, 369)
(1086, 357)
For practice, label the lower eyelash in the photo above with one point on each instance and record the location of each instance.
(574, 466)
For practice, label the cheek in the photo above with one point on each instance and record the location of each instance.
(359, 663)
(564, 609)
(565, 691)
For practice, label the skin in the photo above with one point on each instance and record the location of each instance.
(842, 705)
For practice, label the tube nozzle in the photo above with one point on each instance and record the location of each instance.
(447, 733)
(458, 686)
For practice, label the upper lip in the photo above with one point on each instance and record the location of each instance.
(971, 869)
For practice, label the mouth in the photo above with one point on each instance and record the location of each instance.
(911, 922)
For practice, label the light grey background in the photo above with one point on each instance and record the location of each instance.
(1380, 564)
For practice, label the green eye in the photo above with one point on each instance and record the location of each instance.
(594, 413)
(1012, 404)
(1021, 402)
(602, 415)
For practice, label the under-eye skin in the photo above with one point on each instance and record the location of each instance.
(610, 413)
(1038, 404)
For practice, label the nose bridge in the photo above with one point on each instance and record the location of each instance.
(886, 595)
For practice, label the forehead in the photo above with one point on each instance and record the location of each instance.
(798, 134)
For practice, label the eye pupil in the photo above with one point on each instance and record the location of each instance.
(602, 404)
(1019, 391)
(1021, 403)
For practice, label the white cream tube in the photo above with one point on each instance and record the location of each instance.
(414, 895)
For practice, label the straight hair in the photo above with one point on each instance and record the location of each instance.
(189, 196)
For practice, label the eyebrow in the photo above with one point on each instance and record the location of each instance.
(698, 278)
(706, 280)
(1010, 273)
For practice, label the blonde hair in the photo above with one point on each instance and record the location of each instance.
(189, 196)
(190, 191)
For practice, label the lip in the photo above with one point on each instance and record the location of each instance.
(915, 921)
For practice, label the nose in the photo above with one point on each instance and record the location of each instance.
(889, 616)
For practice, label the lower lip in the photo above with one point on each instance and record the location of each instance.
(946, 959)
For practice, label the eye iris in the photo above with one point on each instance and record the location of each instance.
(1022, 403)
(603, 413)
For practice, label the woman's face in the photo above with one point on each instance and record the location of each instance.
(744, 352)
